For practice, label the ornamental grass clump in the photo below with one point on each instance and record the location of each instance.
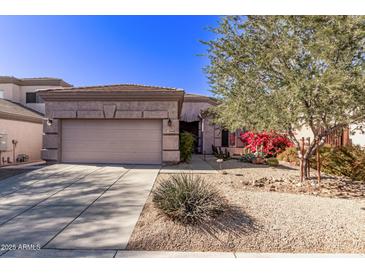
(346, 161)
(186, 198)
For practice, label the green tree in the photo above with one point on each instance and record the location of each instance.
(285, 72)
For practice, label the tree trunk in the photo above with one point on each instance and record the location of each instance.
(305, 158)
(312, 148)
(302, 159)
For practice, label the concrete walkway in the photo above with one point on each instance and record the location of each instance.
(89, 207)
(197, 165)
(54, 253)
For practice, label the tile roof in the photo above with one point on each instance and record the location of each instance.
(115, 88)
(36, 81)
(189, 97)
(11, 110)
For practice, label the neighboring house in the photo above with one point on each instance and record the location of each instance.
(20, 133)
(341, 137)
(23, 90)
(357, 137)
(21, 115)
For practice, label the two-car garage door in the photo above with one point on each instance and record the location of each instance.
(112, 141)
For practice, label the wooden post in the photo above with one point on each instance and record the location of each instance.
(302, 159)
(318, 160)
(308, 161)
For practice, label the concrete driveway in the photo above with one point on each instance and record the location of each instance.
(69, 210)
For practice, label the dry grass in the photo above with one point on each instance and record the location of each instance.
(187, 198)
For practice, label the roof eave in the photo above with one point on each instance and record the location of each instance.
(61, 95)
(34, 81)
(19, 117)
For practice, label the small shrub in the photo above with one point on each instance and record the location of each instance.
(270, 143)
(289, 155)
(272, 161)
(186, 146)
(342, 161)
(247, 158)
(188, 199)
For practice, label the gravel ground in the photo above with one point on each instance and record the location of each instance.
(285, 178)
(259, 221)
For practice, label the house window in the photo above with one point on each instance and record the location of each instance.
(228, 138)
(32, 97)
(1, 94)
(232, 139)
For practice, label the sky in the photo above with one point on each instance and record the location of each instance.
(98, 50)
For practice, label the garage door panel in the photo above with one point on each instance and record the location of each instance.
(114, 158)
(132, 135)
(112, 141)
(106, 133)
(111, 124)
(111, 149)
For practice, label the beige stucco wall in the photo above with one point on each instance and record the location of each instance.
(28, 135)
(11, 92)
(304, 132)
(190, 110)
(357, 137)
(211, 135)
(164, 110)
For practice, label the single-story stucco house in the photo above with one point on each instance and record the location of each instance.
(133, 124)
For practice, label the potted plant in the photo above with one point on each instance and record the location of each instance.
(259, 157)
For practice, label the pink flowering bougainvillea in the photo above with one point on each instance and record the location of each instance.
(270, 143)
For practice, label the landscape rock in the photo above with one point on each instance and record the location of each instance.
(287, 180)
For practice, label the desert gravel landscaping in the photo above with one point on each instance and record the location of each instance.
(285, 178)
(261, 219)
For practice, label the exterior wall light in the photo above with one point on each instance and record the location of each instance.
(49, 122)
(169, 122)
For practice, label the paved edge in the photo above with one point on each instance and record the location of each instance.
(80, 253)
